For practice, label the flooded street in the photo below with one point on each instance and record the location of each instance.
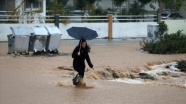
(20, 87)
(37, 79)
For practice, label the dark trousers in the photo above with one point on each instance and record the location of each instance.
(80, 71)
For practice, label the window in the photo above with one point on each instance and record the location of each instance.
(34, 4)
(7, 5)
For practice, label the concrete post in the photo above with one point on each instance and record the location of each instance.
(110, 26)
(158, 17)
(56, 20)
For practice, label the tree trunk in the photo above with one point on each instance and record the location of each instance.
(161, 6)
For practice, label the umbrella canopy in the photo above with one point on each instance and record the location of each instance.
(82, 33)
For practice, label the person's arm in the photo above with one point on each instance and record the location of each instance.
(75, 52)
(89, 61)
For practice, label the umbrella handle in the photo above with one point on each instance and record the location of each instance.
(80, 45)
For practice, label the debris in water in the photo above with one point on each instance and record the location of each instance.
(65, 68)
(130, 81)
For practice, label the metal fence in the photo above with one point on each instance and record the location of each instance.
(36, 18)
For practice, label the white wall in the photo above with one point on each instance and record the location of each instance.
(133, 29)
(175, 25)
(120, 30)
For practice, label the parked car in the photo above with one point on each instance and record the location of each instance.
(169, 16)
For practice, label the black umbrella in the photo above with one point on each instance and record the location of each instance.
(82, 33)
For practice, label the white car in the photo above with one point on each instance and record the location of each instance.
(169, 16)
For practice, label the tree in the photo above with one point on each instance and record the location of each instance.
(136, 9)
(85, 4)
(118, 3)
(56, 6)
(144, 1)
(172, 4)
(81, 4)
(90, 5)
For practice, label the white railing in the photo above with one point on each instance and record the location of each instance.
(116, 18)
(36, 18)
(22, 19)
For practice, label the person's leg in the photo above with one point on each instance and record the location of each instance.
(80, 82)
(79, 77)
(75, 79)
(81, 72)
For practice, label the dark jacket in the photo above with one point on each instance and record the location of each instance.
(79, 61)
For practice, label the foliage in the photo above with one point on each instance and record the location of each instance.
(162, 29)
(144, 1)
(118, 3)
(168, 43)
(136, 9)
(90, 6)
(91, 1)
(170, 4)
(148, 1)
(84, 4)
(81, 4)
(100, 11)
(56, 7)
(177, 4)
(124, 11)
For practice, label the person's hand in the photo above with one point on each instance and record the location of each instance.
(78, 53)
(92, 68)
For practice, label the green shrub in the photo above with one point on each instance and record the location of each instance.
(168, 43)
(162, 29)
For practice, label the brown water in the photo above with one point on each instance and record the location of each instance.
(27, 87)
(33, 79)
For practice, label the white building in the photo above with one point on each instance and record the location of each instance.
(105, 4)
(23, 6)
(24, 9)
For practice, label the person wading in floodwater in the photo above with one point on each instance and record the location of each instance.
(79, 55)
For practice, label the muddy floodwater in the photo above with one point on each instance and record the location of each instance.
(47, 79)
